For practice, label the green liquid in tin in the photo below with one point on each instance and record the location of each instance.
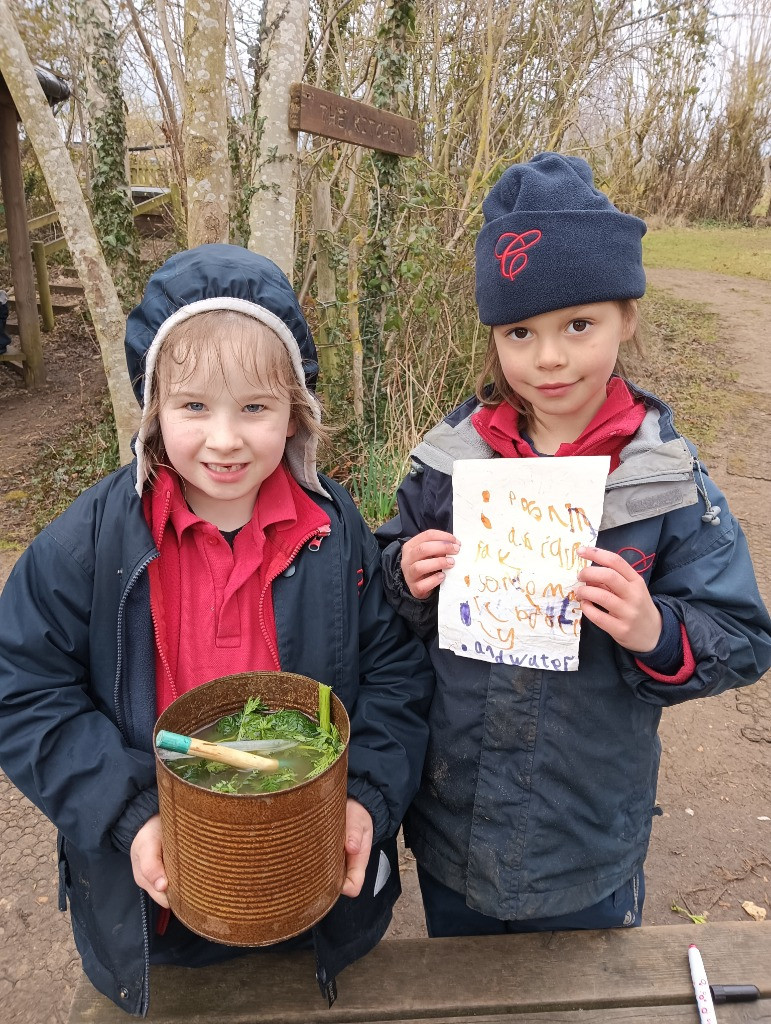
(314, 751)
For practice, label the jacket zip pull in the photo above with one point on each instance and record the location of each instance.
(318, 537)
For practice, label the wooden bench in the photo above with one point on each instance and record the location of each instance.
(602, 977)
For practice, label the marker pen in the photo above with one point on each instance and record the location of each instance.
(701, 986)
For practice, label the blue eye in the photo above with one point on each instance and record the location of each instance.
(195, 406)
(254, 407)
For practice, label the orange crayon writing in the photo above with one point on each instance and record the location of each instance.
(483, 551)
(576, 520)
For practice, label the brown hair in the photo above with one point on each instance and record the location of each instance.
(262, 354)
(501, 391)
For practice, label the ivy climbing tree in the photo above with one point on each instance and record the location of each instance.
(63, 186)
(379, 316)
(110, 187)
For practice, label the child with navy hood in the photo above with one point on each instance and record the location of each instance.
(536, 803)
(219, 550)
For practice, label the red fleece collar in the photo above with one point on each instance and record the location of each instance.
(282, 504)
(617, 421)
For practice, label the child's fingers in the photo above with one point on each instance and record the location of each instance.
(425, 576)
(429, 544)
(425, 559)
(358, 845)
(147, 861)
(602, 596)
(632, 618)
(605, 579)
(609, 559)
(431, 537)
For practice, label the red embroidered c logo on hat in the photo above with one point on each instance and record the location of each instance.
(512, 257)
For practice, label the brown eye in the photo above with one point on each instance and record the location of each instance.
(579, 326)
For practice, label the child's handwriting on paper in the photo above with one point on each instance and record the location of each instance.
(513, 596)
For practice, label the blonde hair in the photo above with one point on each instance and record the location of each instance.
(501, 391)
(197, 342)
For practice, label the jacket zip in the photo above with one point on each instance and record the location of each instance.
(156, 631)
(316, 536)
(649, 478)
(122, 726)
(124, 597)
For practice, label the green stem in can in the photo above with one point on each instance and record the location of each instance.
(325, 707)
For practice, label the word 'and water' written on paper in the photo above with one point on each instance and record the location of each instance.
(510, 597)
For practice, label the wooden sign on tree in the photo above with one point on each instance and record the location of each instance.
(325, 113)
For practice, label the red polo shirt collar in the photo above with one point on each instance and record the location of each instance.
(615, 424)
(212, 604)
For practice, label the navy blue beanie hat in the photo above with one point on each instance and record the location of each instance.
(551, 240)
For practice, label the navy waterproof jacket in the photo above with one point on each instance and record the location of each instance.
(77, 709)
(77, 664)
(539, 786)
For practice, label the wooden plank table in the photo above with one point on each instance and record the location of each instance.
(599, 977)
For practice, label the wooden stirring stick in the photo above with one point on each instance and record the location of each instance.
(215, 752)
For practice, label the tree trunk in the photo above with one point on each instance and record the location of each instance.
(271, 216)
(206, 124)
(110, 186)
(54, 160)
(170, 125)
(22, 276)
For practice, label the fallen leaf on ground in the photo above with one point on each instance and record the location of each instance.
(756, 912)
(696, 918)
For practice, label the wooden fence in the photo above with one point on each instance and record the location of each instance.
(42, 250)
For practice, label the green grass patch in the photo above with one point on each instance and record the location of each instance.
(739, 251)
(685, 365)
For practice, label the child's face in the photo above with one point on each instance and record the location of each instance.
(224, 434)
(561, 361)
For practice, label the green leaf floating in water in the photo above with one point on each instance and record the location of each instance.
(257, 723)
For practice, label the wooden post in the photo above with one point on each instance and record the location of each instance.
(18, 242)
(43, 288)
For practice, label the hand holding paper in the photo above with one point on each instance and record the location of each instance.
(425, 558)
(615, 597)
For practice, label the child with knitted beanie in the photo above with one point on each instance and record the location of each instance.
(535, 807)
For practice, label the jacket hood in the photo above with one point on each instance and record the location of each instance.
(212, 277)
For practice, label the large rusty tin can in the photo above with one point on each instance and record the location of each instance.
(252, 869)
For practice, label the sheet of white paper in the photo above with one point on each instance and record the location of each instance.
(509, 597)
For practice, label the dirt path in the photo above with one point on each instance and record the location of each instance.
(711, 847)
(716, 759)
